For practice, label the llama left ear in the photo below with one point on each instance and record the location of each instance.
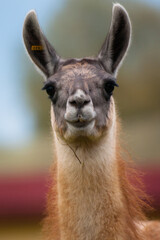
(117, 41)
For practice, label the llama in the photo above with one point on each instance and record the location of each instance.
(91, 197)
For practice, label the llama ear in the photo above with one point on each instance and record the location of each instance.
(39, 49)
(117, 41)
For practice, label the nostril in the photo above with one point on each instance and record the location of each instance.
(86, 102)
(73, 103)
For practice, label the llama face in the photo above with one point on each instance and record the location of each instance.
(80, 89)
(81, 98)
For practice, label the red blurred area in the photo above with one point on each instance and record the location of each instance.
(26, 196)
(151, 180)
(22, 196)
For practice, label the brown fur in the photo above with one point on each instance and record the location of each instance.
(152, 230)
(51, 223)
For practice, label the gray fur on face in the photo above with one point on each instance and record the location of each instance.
(89, 79)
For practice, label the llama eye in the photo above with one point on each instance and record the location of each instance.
(50, 90)
(109, 87)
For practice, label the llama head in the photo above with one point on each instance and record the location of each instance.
(80, 89)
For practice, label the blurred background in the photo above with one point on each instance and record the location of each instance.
(76, 28)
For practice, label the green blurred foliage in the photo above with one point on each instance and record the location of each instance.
(79, 30)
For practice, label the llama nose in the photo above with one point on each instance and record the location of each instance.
(79, 100)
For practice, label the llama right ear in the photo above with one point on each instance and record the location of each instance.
(117, 41)
(39, 49)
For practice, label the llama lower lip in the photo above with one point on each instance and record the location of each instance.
(80, 124)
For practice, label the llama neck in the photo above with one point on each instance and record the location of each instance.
(89, 196)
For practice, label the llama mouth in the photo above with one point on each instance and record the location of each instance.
(79, 123)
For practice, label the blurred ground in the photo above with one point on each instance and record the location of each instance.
(142, 138)
(36, 157)
(20, 229)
